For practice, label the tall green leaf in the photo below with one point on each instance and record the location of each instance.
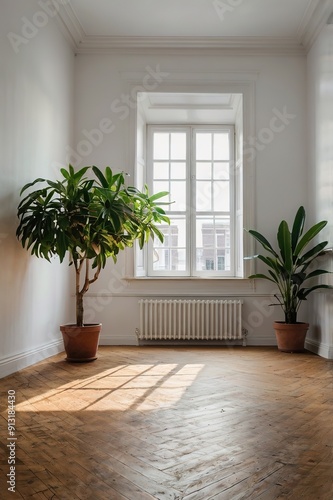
(263, 241)
(309, 235)
(78, 175)
(298, 227)
(290, 269)
(317, 272)
(100, 177)
(260, 276)
(313, 253)
(284, 241)
(26, 186)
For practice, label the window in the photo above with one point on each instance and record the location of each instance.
(206, 237)
(194, 164)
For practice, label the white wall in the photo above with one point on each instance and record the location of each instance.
(38, 100)
(102, 86)
(320, 152)
(36, 96)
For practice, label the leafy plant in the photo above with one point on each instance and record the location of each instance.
(289, 267)
(91, 218)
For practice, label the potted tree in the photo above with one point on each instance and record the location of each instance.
(91, 218)
(289, 268)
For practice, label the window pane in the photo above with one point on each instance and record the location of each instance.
(200, 194)
(204, 196)
(213, 244)
(161, 170)
(221, 196)
(171, 254)
(162, 186)
(178, 195)
(178, 146)
(204, 170)
(161, 259)
(178, 170)
(174, 234)
(221, 146)
(221, 171)
(161, 146)
(139, 257)
(203, 146)
(179, 259)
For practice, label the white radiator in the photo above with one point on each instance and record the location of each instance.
(183, 320)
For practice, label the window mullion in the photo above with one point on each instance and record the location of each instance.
(192, 202)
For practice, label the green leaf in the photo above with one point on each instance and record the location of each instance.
(309, 235)
(157, 196)
(160, 210)
(78, 175)
(61, 245)
(158, 233)
(108, 175)
(65, 173)
(260, 276)
(263, 241)
(298, 227)
(274, 276)
(315, 273)
(26, 186)
(298, 278)
(100, 177)
(269, 262)
(313, 253)
(284, 241)
(304, 292)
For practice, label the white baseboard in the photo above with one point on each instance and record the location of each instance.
(12, 364)
(323, 350)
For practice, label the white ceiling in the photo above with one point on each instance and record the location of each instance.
(107, 24)
(191, 17)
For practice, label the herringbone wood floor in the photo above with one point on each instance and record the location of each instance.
(173, 423)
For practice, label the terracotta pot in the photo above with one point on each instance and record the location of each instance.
(81, 342)
(290, 337)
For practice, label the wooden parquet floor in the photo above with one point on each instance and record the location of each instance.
(172, 423)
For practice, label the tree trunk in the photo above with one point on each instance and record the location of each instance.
(78, 296)
(291, 317)
(79, 309)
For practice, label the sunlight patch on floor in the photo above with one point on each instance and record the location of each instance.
(138, 387)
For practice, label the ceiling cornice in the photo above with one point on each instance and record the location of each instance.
(70, 26)
(313, 21)
(255, 45)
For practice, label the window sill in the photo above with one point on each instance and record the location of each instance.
(189, 286)
(185, 278)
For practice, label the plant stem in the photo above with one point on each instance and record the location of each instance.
(78, 293)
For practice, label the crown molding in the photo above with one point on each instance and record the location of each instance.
(232, 45)
(315, 18)
(70, 26)
(313, 21)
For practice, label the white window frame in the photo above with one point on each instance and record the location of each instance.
(191, 215)
(241, 82)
